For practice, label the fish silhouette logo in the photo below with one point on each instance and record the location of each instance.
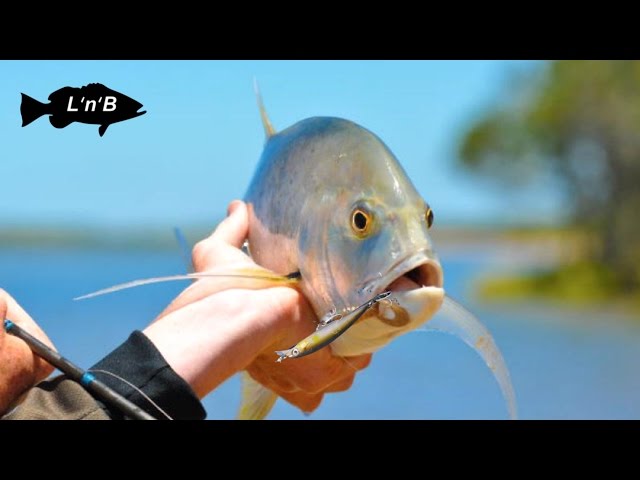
(94, 104)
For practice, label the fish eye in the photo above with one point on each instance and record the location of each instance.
(360, 221)
(295, 352)
(429, 217)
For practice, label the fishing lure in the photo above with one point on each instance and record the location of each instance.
(329, 317)
(330, 328)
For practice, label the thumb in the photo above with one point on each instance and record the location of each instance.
(234, 229)
(222, 246)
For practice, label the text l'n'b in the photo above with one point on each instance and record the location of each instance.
(90, 105)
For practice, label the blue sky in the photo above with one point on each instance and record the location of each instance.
(198, 144)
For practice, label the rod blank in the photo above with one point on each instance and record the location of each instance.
(84, 378)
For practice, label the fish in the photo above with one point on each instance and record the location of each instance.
(93, 104)
(329, 330)
(333, 214)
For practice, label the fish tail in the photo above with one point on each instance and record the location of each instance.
(282, 354)
(257, 400)
(269, 131)
(31, 109)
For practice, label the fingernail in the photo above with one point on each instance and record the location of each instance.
(233, 206)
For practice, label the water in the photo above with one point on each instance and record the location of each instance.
(564, 364)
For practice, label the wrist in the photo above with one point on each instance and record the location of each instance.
(208, 341)
(148, 376)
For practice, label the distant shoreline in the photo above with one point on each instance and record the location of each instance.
(160, 238)
(446, 239)
(529, 262)
(96, 238)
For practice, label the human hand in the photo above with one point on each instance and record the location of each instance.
(210, 332)
(20, 368)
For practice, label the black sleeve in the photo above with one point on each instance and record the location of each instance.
(139, 362)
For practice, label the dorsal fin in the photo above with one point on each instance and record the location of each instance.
(266, 123)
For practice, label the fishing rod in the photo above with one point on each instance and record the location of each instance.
(83, 377)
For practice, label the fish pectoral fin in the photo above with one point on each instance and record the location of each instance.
(457, 320)
(60, 122)
(257, 400)
(252, 278)
(185, 250)
(102, 129)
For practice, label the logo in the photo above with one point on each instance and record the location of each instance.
(94, 104)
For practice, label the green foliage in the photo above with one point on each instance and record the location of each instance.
(581, 121)
(581, 282)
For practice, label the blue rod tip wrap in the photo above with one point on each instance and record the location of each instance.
(86, 379)
(8, 325)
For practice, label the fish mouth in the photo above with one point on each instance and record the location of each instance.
(428, 273)
(416, 271)
(412, 281)
(416, 283)
(134, 106)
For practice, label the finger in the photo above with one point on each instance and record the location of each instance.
(279, 385)
(206, 287)
(234, 229)
(222, 246)
(358, 363)
(211, 253)
(17, 315)
(304, 401)
(342, 385)
(233, 205)
(313, 374)
(19, 361)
